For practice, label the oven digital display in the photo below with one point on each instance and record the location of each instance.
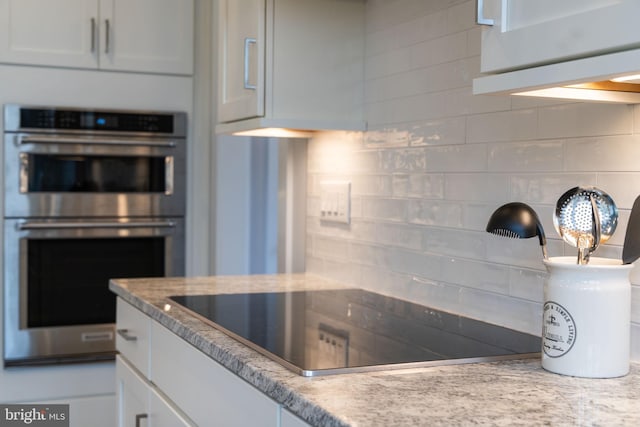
(101, 121)
(42, 118)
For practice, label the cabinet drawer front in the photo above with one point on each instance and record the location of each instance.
(206, 391)
(131, 392)
(132, 337)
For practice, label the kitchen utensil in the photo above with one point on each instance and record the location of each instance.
(576, 219)
(519, 221)
(631, 248)
(596, 228)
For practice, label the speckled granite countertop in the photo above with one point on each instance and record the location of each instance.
(499, 393)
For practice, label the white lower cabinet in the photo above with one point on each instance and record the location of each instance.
(287, 419)
(140, 403)
(185, 387)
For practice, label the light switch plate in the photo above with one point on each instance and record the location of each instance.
(335, 201)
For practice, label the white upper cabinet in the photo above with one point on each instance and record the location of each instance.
(153, 36)
(295, 64)
(528, 33)
(241, 25)
(52, 32)
(571, 49)
(147, 35)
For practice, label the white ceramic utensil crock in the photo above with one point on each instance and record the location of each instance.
(586, 318)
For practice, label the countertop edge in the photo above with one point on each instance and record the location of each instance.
(276, 390)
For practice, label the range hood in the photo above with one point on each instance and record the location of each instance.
(612, 77)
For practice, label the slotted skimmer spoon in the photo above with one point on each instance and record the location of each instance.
(519, 221)
(585, 217)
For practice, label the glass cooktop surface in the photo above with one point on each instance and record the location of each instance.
(351, 330)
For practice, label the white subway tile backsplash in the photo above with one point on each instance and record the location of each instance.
(507, 126)
(624, 188)
(437, 160)
(330, 248)
(444, 49)
(455, 242)
(605, 154)
(522, 315)
(426, 186)
(461, 17)
(461, 102)
(386, 137)
(369, 254)
(535, 156)
(445, 131)
(435, 294)
(370, 185)
(585, 119)
(434, 212)
(546, 187)
(399, 235)
(527, 284)
(457, 158)
(516, 252)
(402, 160)
(409, 262)
(476, 187)
(478, 275)
(385, 209)
(388, 63)
(474, 35)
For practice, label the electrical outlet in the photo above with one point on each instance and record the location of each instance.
(335, 201)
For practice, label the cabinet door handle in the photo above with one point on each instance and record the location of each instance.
(93, 35)
(124, 333)
(140, 417)
(248, 41)
(480, 19)
(107, 31)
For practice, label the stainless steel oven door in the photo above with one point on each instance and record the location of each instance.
(57, 305)
(88, 176)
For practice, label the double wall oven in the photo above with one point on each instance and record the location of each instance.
(89, 195)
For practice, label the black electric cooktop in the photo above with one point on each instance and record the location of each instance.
(352, 330)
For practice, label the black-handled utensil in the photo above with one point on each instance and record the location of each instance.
(631, 248)
(519, 221)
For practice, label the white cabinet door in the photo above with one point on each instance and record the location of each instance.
(241, 56)
(155, 36)
(164, 414)
(147, 35)
(207, 392)
(287, 419)
(139, 403)
(526, 33)
(131, 395)
(132, 335)
(53, 32)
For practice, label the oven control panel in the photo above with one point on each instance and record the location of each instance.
(48, 119)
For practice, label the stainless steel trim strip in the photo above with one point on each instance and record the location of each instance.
(40, 225)
(43, 139)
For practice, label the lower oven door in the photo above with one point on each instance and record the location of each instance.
(57, 303)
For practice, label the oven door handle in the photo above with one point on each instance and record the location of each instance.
(43, 139)
(37, 225)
